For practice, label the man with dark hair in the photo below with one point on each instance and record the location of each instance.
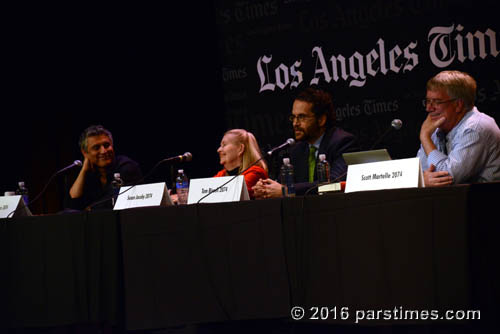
(94, 182)
(313, 120)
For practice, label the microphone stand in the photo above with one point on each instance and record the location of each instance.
(89, 207)
(380, 138)
(289, 142)
(396, 124)
(231, 179)
(37, 197)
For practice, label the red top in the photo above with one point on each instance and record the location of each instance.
(252, 175)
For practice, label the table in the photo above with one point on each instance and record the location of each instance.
(410, 249)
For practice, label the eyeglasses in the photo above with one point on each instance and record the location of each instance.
(300, 118)
(434, 103)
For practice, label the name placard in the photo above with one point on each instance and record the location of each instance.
(9, 204)
(152, 194)
(234, 191)
(402, 173)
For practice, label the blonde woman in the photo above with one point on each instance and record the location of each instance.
(238, 150)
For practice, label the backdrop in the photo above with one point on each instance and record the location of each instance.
(375, 57)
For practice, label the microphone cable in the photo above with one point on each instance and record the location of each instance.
(308, 191)
(37, 197)
(288, 142)
(231, 179)
(395, 124)
(188, 156)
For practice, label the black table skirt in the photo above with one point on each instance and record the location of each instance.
(412, 249)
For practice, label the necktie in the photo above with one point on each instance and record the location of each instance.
(312, 162)
(442, 142)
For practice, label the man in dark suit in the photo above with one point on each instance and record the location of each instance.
(313, 119)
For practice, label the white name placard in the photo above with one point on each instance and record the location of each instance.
(234, 191)
(392, 174)
(9, 204)
(152, 194)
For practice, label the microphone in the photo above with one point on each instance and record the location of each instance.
(289, 142)
(186, 157)
(75, 163)
(240, 173)
(395, 124)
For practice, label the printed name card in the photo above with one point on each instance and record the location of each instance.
(233, 191)
(13, 206)
(152, 194)
(392, 174)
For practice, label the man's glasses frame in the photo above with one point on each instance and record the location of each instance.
(300, 118)
(435, 103)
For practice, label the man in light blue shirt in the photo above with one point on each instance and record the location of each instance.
(459, 144)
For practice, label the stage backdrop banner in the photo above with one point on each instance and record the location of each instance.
(375, 57)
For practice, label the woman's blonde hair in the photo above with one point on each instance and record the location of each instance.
(458, 85)
(251, 152)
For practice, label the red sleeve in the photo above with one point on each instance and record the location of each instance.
(221, 173)
(252, 176)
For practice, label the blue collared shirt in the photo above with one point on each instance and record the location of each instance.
(472, 150)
